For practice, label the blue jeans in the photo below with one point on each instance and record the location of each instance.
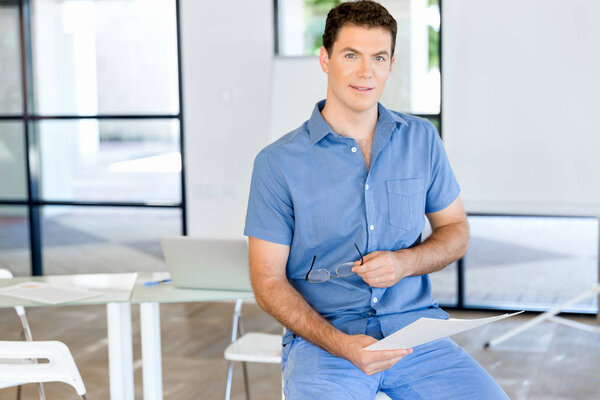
(434, 371)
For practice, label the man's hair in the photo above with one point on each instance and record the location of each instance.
(364, 13)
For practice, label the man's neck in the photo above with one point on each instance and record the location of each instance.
(350, 123)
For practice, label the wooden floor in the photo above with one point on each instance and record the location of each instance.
(547, 362)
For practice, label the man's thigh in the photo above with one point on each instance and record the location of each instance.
(440, 370)
(310, 372)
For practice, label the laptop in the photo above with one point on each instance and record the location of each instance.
(196, 263)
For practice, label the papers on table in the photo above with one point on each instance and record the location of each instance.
(428, 329)
(47, 293)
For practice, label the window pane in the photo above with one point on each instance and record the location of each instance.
(301, 26)
(14, 240)
(531, 262)
(110, 160)
(13, 173)
(99, 57)
(414, 84)
(11, 94)
(105, 239)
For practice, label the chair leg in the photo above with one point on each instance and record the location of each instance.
(246, 380)
(244, 366)
(41, 391)
(26, 335)
(229, 376)
(26, 329)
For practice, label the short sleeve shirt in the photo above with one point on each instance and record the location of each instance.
(311, 190)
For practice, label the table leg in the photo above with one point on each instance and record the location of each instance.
(151, 351)
(120, 354)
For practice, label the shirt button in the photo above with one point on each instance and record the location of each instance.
(353, 149)
(374, 299)
(372, 227)
(367, 187)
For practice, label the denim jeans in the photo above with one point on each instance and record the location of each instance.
(434, 371)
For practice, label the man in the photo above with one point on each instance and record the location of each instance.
(334, 232)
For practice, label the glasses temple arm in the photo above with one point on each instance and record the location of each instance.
(311, 267)
(361, 256)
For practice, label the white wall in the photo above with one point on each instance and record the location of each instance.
(298, 83)
(227, 50)
(520, 104)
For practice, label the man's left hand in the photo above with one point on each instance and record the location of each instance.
(384, 268)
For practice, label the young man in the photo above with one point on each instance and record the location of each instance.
(334, 220)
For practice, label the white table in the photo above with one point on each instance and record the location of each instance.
(116, 292)
(119, 291)
(149, 298)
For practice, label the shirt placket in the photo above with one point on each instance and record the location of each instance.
(372, 230)
(382, 135)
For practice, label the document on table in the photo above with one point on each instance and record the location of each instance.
(47, 293)
(428, 329)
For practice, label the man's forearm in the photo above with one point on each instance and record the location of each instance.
(280, 299)
(446, 244)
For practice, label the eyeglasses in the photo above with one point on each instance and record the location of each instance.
(341, 271)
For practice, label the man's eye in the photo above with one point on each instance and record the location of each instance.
(351, 55)
(379, 58)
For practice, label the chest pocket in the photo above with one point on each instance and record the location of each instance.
(406, 202)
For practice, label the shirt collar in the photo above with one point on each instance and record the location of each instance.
(318, 128)
(386, 115)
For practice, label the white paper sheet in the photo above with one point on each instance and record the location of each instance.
(428, 329)
(47, 293)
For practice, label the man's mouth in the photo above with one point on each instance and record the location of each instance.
(361, 88)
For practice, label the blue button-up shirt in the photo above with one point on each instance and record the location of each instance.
(311, 190)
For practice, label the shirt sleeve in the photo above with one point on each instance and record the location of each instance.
(443, 188)
(270, 214)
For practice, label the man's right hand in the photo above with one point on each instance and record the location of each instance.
(370, 362)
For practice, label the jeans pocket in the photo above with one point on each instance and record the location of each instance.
(285, 350)
(406, 202)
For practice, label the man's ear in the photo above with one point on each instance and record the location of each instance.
(392, 63)
(324, 59)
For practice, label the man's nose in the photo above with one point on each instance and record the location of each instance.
(365, 68)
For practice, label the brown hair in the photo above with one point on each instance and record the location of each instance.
(362, 13)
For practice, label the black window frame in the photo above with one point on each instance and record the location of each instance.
(29, 117)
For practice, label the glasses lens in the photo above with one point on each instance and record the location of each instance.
(344, 270)
(318, 276)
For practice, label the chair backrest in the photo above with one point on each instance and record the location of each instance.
(5, 274)
(60, 368)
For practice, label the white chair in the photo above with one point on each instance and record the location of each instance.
(255, 347)
(249, 347)
(26, 334)
(15, 367)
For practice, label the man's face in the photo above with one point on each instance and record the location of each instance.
(358, 66)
